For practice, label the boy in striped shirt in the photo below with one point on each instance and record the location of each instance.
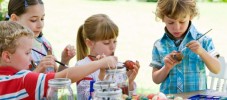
(16, 81)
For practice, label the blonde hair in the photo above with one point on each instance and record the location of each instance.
(176, 8)
(96, 28)
(9, 33)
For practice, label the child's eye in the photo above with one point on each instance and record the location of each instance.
(106, 43)
(28, 53)
(115, 41)
(33, 20)
(170, 23)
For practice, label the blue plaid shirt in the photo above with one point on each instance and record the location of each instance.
(192, 67)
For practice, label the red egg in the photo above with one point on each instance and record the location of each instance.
(150, 96)
(129, 64)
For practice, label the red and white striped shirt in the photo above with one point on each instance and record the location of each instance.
(23, 85)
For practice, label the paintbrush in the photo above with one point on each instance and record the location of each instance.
(196, 39)
(55, 60)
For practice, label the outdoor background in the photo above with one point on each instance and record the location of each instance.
(137, 25)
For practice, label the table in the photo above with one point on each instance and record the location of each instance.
(202, 92)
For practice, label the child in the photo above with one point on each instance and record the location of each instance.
(16, 82)
(30, 13)
(97, 36)
(189, 74)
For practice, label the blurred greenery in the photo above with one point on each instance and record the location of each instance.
(157, 0)
(3, 9)
(216, 0)
(151, 0)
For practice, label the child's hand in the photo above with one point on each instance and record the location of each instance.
(195, 47)
(133, 72)
(47, 61)
(169, 60)
(108, 62)
(68, 53)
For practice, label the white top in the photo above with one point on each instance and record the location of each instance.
(83, 86)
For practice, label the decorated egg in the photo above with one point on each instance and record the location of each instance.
(129, 64)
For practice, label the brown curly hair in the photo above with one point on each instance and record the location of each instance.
(9, 33)
(176, 8)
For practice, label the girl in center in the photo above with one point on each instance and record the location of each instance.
(98, 36)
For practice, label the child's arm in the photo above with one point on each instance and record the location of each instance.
(212, 63)
(159, 75)
(68, 53)
(102, 74)
(77, 73)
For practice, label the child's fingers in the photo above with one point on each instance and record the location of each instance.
(71, 51)
(170, 58)
(110, 62)
(137, 64)
(100, 56)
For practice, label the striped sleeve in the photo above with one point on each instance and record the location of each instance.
(36, 85)
(10, 91)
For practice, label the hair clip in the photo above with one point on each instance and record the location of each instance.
(25, 3)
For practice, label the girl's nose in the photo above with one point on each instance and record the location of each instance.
(112, 46)
(40, 24)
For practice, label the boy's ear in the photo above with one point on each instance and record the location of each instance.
(89, 43)
(14, 17)
(6, 56)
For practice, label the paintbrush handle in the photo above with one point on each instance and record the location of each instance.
(204, 34)
(197, 39)
(183, 49)
(39, 52)
(45, 55)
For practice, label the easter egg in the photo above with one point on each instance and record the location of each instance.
(129, 64)
(136, 97)
(178, 56)
(150, 96)
(162, 95)
(124, 96)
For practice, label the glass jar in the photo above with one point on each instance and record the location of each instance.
(119, 76)
(59, 89)
(105, 85)
(108, 94)
(99, 85)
